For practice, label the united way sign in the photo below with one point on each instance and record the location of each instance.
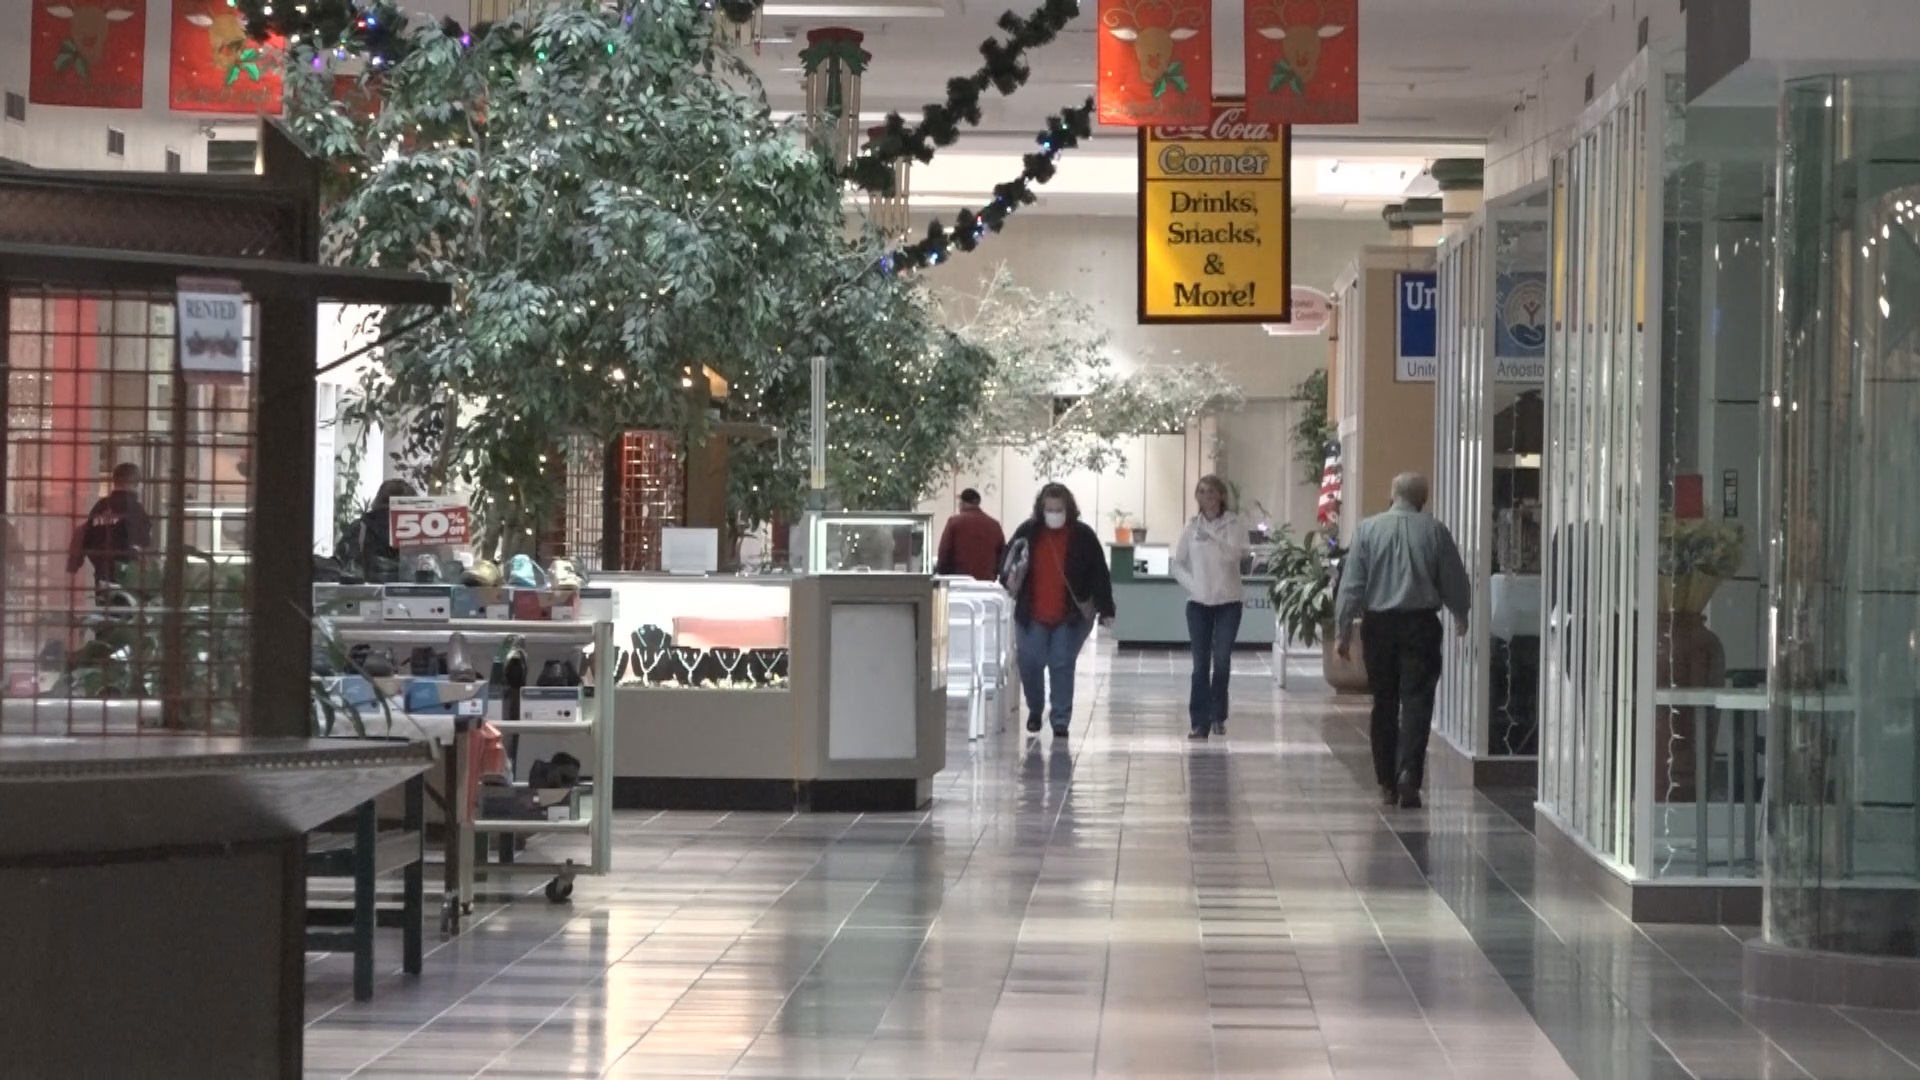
(1520, 328)
(1416, 301)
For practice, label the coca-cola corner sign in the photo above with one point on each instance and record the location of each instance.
(1215, 221)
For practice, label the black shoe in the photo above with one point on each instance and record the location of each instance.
(1033, 722)
(1220, 728)
(1389, 795)
(1198, 734)
(1059, 731)
(1409, 792)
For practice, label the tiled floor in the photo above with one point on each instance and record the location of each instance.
(1127, 905)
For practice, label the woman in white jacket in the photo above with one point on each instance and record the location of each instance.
(1206, 562)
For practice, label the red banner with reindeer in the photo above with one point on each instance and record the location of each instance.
(214, 67)
(90, 53)
(1303, 61)
(1155, 62)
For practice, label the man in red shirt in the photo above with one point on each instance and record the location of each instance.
(973, 542)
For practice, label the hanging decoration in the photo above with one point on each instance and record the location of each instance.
(1005, 70)
(1155, 62)
(89, 53)
(1065, 130)
(888, 210)
(215, 66)
(1303, 61)
(739, 32)
(834, 61)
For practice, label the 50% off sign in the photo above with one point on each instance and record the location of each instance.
(426, 522)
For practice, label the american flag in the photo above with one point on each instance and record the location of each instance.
(1329, 513)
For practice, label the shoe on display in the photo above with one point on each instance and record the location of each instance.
(459, 669)
(552, 674)
(483, 574)
(421, 662)
(426, 570)
(524, 573)
(565, 575)
(562, 771)
(513, 664)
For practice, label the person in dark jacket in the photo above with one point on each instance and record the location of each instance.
(115, 531)
(1057, 573)
(972, 543)
(367, 546)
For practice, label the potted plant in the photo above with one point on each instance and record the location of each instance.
(1303, 570)
(1122, 531)
(1695, 554)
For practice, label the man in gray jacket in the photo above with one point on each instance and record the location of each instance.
(1402, 569)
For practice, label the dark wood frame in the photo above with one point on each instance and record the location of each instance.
(1140, 238)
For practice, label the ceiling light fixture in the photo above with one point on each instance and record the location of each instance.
(856, 11)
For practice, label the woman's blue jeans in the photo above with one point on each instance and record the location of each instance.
(1047, 655)
(1211, 629)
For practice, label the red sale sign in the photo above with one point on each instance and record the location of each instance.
(429, 521)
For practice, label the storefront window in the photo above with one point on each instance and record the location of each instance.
(1843, 850)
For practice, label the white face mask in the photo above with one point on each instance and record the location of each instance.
(1056, 519)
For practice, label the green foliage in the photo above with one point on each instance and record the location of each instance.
(615, 209)
(1303, 589)
(1314, 428)
(1709, 546)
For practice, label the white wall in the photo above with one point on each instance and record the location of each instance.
(1094, 259)
(1520, 150)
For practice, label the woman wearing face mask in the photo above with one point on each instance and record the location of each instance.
(1206, 562)
(1057, 573)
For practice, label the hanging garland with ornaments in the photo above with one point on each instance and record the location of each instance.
(1005, 70)
(1065, 130)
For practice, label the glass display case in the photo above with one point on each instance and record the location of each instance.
(700, 633)
(869, 542)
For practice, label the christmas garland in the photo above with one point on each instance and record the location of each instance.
(1004, 70)
(1065, 130)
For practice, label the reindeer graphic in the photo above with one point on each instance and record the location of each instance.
(1153, 28)
(1300, 38)
(86, 38)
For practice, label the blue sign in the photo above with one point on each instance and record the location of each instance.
(1520, 327)
(1417, 306)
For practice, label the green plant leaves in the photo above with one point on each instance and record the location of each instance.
(1174, 78)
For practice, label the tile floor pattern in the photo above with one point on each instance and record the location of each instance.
(1126, 905)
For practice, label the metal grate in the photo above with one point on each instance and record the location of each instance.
(583, 530)
(116, 143)
(122, 609)
(653, 495)
(16, 107)
(128, 217)
(173, 160)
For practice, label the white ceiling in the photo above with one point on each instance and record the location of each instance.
(1436, 76)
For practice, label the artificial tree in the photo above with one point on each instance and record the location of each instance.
(1056, 396)
(617, 210)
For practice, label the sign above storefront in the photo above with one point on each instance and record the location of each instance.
(1416, 296)
(1215, 234)
(1312, 311)
(1303, 61)
(1520, 328)
(1155, 62)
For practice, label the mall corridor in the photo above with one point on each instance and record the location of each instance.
(1127, 905)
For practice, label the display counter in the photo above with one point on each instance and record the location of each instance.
(1152, 611)
(779, 692)
(156, 887)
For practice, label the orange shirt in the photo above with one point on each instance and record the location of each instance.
(1047, 577)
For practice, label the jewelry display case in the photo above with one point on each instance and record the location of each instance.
(868, 542)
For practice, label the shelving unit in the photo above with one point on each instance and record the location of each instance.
(599, 706)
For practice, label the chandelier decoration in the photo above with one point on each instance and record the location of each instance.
(834, 61)
(888, 209)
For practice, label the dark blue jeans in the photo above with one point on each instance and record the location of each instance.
(1047, 654)
(1212, 630)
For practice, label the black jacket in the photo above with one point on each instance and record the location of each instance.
(1087, 575)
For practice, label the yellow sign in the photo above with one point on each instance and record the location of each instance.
(1215, 228)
